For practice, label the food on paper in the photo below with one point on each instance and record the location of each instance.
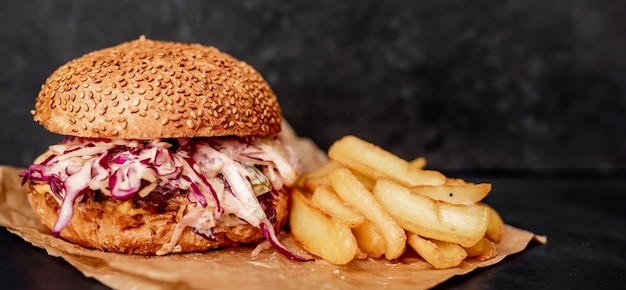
(442, 219)
(326, 199)
(464, 224)
(373, 162)
(319, 233)
(170, 148)
(440, 254)
(352, 191)
(495, 226)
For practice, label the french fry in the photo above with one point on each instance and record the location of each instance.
(366, 181)
(328, 201)
(309, 185)
(467, 193)
(319, 233)
(455, 181)
(350, 190)
(495, 226)
(489, 251)
(483, 250)
(457, 223)
(373, 162)
(476, 249)
(441, 255)
(370, 239)
(418, 163)
(368, 202)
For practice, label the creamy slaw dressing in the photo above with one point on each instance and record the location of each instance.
(223, 176)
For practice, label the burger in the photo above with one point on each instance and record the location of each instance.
(170, 148)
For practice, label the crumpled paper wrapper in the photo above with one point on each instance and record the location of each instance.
(235, 268)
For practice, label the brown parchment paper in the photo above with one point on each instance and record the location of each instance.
(235, 267)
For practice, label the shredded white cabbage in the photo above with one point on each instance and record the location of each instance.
(215, 171)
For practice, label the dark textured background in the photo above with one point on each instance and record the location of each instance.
(469, 84)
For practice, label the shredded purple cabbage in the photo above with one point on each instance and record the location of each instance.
(270, 235)
(268, 207)
(212, 170)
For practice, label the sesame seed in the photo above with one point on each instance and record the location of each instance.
(200, 84)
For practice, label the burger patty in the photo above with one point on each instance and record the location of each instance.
(118, 226)
(159, 201)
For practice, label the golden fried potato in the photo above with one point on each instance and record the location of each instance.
(326, 199)
(350, 190)
(418, 163)
(370, 239)
(467, 193)
(483, 250)
(464, 224)
(440, 254)
(319, 233)
(495, 226)
(489, 251)
(366, 181)
(476, 249)
(368, 202)
(455, 181)
(372, 161)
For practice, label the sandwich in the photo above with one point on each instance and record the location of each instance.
(169, 148)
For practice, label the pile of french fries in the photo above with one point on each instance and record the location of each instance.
(367, 202)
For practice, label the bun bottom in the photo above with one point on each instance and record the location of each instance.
(103, 226)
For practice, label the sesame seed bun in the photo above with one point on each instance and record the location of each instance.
(147, 89)
(103, 226)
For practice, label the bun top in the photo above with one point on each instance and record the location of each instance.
(146, 89)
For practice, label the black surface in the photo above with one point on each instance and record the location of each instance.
(469, 84)
(584, 220)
